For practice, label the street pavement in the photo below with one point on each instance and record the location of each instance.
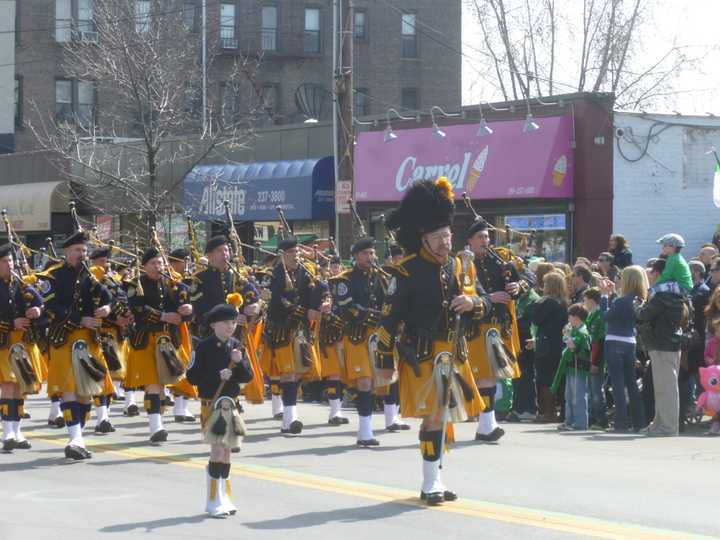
(537, 483)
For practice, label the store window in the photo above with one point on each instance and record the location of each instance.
(547, 236)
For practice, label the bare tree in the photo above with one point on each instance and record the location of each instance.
(598, 44)
(129, 153)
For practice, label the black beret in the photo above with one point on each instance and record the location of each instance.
(5, 250)
(362, 243)
(180, 253)
(395, 250)
(79, 237)
(215, 241)
(222, 312)
(477, 226)
(288, 242)
(149, 254)
(100, 252)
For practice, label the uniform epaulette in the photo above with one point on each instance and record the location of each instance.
(399, 268)
(46, 273)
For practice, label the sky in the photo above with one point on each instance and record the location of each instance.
(688, 23)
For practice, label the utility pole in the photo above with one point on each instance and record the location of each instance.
(345, 135)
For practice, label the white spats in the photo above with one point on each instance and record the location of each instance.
(392, 414)
(129, 398)
(289, 416)
(75, 434)
(335, 408)
(431, 477)
(18, 432)
(180, 406)
(365, 432)
(155, 421)
(8, 431)
(277, 405)
(54, 410)
(101, 412)
(486, 423)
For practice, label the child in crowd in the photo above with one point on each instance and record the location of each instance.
(575, 366)
(711, 348)
(676, 277)
(595, 324)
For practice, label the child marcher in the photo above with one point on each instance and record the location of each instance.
(219, 365)
(575, 366)
(595, 325)
(676, 276)
(712, 353)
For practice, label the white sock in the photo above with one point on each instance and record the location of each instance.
(8, 431)
(18, 433)
(365, 432)
(289, 416)
(397, 414)
(486, 423)
(389, 410)
(179, 407)
(101, 413)
(129, 398)
(186, 408)
(118, 391)
(76, 437)
(277, 405)
(155, 421)
(431, 477)
(335, 408)
(167, 392)
(54, 410)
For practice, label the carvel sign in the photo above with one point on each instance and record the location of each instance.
(508, 164)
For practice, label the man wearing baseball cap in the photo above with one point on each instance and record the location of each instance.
(676, 276)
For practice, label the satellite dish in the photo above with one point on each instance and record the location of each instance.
(312, 101)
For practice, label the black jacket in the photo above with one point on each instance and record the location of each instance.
(550, 316)
(210, 357)
(659, 322)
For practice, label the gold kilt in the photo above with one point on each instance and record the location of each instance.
(357, 360)
(330, 360)
(477, 352)
(142, 367)
(418, 394)
(254, 391)
(6, 373)
(60, 371)
(282, 362)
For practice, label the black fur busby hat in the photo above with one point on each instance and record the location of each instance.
(426, 207)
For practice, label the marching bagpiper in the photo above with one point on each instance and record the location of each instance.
(431, 293)
(219, 365)
(157, 359)
(20, 369)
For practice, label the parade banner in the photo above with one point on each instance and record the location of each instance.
(507, 164)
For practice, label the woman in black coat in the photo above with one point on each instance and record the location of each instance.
(549, 315)
(620, 250)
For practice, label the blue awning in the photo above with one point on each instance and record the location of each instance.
(305, 189)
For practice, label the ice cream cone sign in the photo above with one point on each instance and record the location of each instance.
(477, 168)
(559, 171)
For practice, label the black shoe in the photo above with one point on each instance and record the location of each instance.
(368, 442)
(235, 450)
(118, 398)
(296, 427)
(26, 416)
(168, 402)
(447, 495)
(23, 445)
(432, 499)
(493, 436)
(512, 417)
(76, 453)
(398, 426)
(132, 410)
(189, 419)
(159, 436)
(9, 445)
(278, 416)
(104, 427)
(58, 423)
(338, 421)
(179, 418)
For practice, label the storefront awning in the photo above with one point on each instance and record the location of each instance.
(304, 189)
(303, 238)
(30, 205)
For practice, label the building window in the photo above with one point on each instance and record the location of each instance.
(63, 20)
(142, 16)
(189, 15)
(18, 102)
(409, 99)
(360, 25)
(312, 30)
(361, 103)
(86, 18)
(227, 27)
(269, 28)
(75, 102)
(409, 36)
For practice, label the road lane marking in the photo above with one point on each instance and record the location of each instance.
(556, 521)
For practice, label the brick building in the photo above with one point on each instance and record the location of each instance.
(398, 61)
